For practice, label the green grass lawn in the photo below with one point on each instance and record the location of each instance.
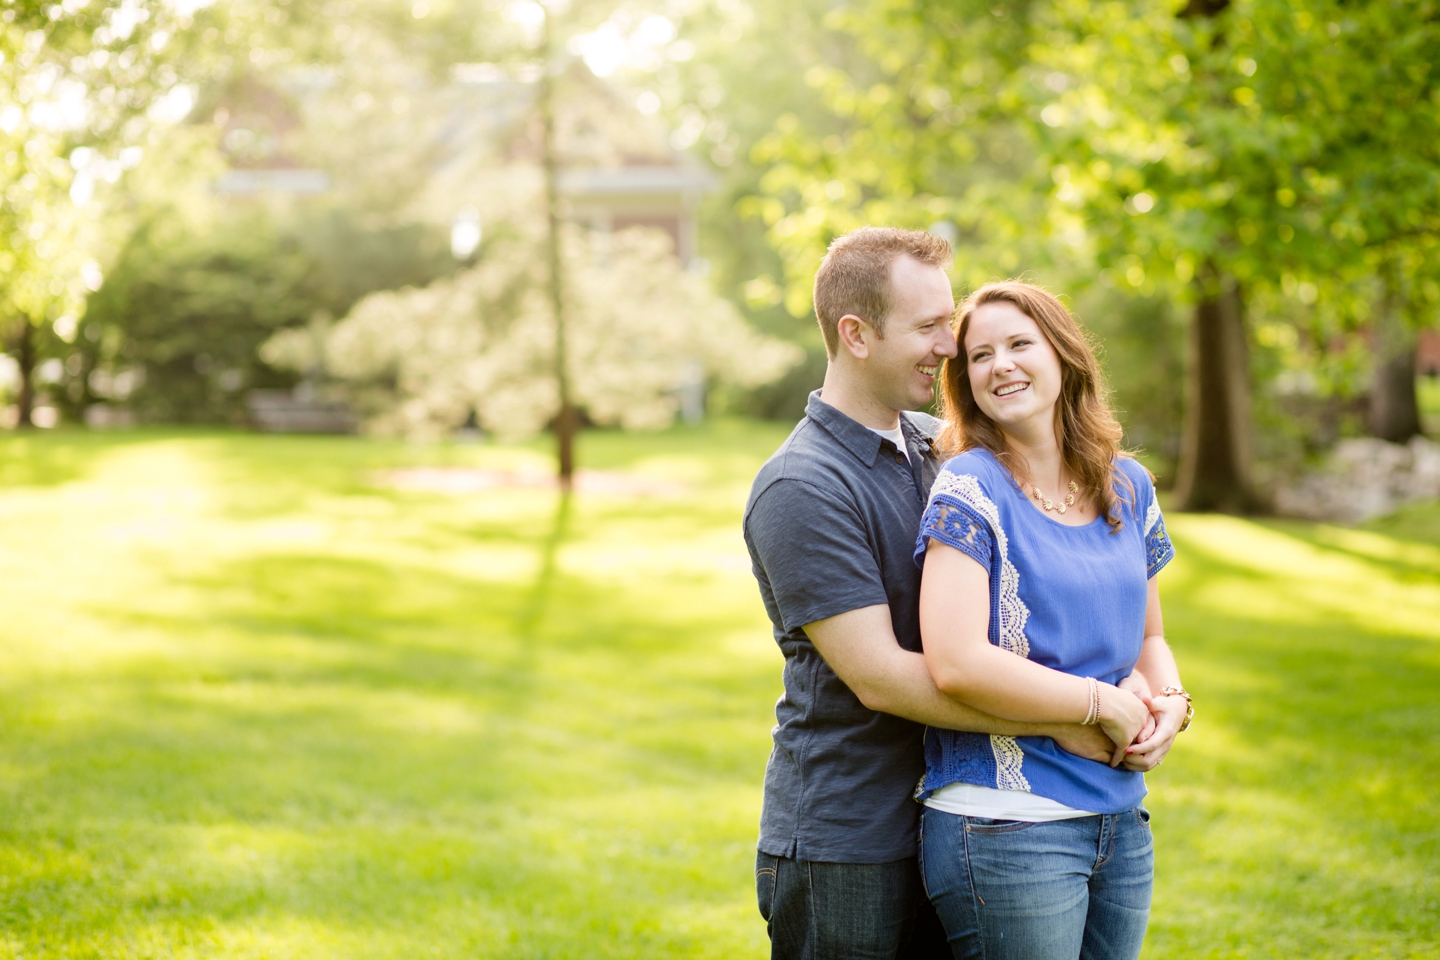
(255, 704)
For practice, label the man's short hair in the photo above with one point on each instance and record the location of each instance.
(854, 277)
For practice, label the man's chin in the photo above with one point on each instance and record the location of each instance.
(915, 400)
(921, 400)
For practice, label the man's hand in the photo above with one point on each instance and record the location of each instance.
(1088, 742)
(1091, 742)
(1146, 753)
(1136, 684)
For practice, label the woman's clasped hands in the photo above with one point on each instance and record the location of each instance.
(1159, 721)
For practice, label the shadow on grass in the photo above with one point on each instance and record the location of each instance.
(1296, 808)
(540, 594)
(1413, 558)
(28, 459)
(352, 743)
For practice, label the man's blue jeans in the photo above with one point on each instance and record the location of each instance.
(1068, 889)
(847, 911)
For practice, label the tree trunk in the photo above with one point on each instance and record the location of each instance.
(567, 419)
(25, 357)
(1215, 446)
(1394, 410)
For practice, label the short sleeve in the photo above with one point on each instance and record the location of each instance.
(959, 514)
(812, 548)
(1158, 549)
(957, 525)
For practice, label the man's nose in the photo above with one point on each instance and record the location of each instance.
(946, 346)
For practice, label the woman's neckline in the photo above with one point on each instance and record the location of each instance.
(1014, 485)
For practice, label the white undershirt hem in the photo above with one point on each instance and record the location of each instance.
(972, 800)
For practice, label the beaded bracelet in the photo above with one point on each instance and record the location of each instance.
(1092, 716)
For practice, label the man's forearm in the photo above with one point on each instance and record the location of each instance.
(906, 689)
(861, 649)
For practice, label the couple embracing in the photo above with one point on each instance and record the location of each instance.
(977, 795)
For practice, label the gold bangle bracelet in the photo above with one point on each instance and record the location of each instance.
(1189, 704)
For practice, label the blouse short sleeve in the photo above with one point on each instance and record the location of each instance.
(1158, 549)
(949, 519)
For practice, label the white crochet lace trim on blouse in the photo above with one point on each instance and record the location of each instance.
(1013, 613)
(1152, 517)
(1009, 759)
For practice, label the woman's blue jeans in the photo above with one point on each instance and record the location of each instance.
(1068, 889)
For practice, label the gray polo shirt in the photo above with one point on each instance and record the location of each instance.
(831, 526)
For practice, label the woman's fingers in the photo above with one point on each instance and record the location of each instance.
(1167, 724)
(1143, 763)
(1145, 746)
(1150, 749)
(1148, 755)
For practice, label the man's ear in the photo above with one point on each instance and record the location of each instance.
(854, 335)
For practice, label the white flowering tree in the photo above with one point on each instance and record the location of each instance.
(421, 361)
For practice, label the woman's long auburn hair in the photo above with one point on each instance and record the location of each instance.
(1085, 428)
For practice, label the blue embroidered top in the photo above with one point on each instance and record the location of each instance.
(1071, 598)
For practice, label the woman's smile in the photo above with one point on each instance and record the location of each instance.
(1013, 369)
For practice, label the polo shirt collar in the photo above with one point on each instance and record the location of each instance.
(854, 436)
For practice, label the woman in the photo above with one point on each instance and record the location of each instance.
(1040, 546)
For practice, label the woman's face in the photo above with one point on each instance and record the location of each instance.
(1014, 371)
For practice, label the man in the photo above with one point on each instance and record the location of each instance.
(831, 525)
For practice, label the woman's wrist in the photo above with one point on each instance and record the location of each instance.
(1108, 707)
(1173, 695)
(1092, 702)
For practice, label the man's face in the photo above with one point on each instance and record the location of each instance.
(902, 364)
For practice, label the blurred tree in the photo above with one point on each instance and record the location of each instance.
(1242, 143)
(422, 361)
(175, 330)
(735, 68)
(204, 278)
(538, 45)
(80, 85)
(1201, 155)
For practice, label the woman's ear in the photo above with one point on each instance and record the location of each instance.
(854, 335)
